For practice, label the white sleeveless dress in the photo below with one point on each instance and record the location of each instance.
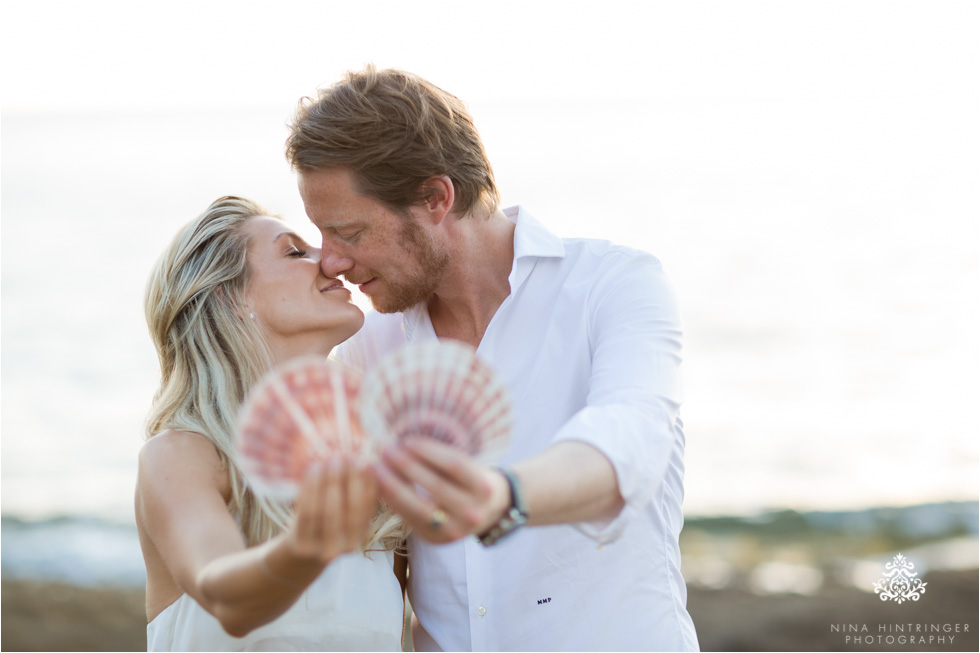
(354, 605)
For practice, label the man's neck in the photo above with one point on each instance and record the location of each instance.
(476, 282)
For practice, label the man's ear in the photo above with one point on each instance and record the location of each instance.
(438, 196)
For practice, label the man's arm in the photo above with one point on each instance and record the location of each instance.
(569, 482)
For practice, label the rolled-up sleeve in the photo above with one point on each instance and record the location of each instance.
(632, 409)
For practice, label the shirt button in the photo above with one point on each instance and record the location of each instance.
(481, 611)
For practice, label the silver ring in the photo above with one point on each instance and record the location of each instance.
(438, 519)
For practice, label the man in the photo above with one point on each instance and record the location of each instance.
(586, 336)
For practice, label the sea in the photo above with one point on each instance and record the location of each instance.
(825, 253)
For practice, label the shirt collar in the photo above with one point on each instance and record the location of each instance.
(532, 240)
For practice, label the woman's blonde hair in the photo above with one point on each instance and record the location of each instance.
(393, 130)
(210, 356)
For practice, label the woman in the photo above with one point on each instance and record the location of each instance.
(236, 293)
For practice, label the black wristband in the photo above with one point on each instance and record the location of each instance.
(514, 517)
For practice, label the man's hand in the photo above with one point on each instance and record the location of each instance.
(456, 497)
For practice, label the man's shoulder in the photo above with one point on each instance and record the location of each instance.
(537, 238)
(599, 258)
(604, 250)
(597, 274)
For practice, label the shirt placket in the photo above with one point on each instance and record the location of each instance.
(482, 611)
(479, 608)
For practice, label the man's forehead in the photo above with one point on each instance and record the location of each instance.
(334, 217)
(327, 181)
(330, 199)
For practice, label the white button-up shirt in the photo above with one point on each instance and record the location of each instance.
(589, 344)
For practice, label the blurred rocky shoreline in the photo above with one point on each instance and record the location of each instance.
(779, 581)
(58, 617)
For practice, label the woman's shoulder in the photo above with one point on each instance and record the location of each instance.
(174, 456)
(173, 441)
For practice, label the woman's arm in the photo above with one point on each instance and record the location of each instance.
(181, 504)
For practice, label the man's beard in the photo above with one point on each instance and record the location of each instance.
(402, 294)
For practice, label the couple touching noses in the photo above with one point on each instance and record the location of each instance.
(570, 543)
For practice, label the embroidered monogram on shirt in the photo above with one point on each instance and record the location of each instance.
(542, 601)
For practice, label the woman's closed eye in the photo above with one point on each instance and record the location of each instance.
(297, 252)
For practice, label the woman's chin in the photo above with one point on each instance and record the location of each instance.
(317, 342)
(351, 325)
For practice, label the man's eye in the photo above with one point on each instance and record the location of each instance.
(349, 237)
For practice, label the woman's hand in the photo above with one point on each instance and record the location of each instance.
(461, 497)
(331, 516)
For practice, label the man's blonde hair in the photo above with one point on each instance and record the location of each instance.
(211, 354)
(393, 130)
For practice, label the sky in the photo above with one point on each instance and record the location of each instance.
(837, 139)
(68, 56)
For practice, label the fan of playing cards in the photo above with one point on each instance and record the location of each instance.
(311, 409)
